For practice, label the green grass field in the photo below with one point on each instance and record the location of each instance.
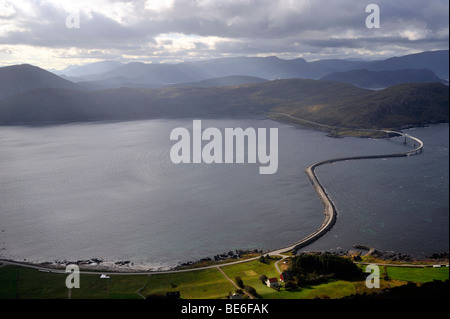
(419, 275)
(201, 284)
(250, 273)
(25, 283)
(332, 289)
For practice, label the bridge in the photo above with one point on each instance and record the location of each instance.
(330, 213)
(329, 207)
(418, 144)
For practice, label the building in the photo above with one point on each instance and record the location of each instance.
(272, 283)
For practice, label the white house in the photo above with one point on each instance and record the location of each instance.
(272, 282)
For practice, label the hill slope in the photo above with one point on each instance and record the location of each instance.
(412, 104)
(222, 81)
(119, 82)
(21, 78)
(330, 103)
(383, 79)
(436, 61)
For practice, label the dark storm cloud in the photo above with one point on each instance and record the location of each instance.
(250, 27)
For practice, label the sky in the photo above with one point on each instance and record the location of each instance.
(57, 33)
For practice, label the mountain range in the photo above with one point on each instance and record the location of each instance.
(233, 87)
(269, 68)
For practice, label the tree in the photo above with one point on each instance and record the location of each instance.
(290, 285)
(239, 281)
(251, 291)
(263, 279)
(325, 264)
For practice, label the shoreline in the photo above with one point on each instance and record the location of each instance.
(110, 268)
(330, 217)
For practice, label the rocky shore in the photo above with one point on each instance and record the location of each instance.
(237, 254)
(97, 264)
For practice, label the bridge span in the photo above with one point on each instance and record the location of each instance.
(417, 143)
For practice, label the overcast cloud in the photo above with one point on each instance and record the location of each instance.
(179, 30)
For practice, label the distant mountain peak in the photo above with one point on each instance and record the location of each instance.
(20, 78)
(91, 68)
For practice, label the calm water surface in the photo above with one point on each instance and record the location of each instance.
(110, 191)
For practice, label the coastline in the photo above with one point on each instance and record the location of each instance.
(330, 216)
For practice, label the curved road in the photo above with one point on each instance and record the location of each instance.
(329, 214)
